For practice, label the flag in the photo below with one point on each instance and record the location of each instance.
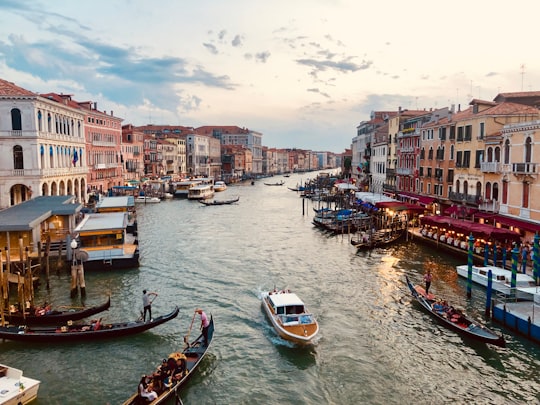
(75, 158)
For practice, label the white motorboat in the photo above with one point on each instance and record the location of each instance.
(220, 186)
(15, 388)
(289, 316)
(142, 199)
(501, 280)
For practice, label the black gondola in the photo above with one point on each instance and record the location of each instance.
(72, 332)
(454, 319)
(40, 316)
(194, 353)
(220, 202)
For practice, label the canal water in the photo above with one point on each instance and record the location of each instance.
(376, 345)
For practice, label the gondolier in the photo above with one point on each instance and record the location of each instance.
(204, 325)
(147, 304)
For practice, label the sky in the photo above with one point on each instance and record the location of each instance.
(304, 73)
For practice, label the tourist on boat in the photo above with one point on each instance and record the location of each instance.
(428, 278)
(149, 394)
(147, 304)
(204, 325)
(181, 370)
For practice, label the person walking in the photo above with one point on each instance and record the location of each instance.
(204, 325)
(428, 278)
(147, 304)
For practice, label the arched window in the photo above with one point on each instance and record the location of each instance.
(495, 195)
(16, 121)
(507, 151)
(489, 155)
(478, 189)
(40, 121)
(528, 150)
(497, 157)
(18, 162)
(465, 187)
(488, 191)
(49, 122)
(458, 184)
(452, 153)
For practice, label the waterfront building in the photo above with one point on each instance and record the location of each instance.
(43, 146)
(477, 131)
(132, 154)
(233, 135)
(103, 133)
(179, 169)
(379, 153)
(153, 159)
(237, 161)
(198, 154)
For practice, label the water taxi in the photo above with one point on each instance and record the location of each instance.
(290, 317)
(220, 186)
(181, 188)
(144, 199)
(15, 388)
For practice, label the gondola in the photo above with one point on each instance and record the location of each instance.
(275, 184)
(378, 241)
(453, 318)
(42, 316)
(76, 332)
(194, 352)
(220, 202)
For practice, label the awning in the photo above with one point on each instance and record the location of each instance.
(517, 223)
(425, 200)
(467, 227)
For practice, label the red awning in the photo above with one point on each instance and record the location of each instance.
(517, 223)
(425, 200)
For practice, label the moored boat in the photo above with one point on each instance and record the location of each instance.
(192, 353)
(201, 192)
(501, 280)
(143, 199)
(15, 388)
(453, 318)
(48, 316)
(290, 317)
(78, 332)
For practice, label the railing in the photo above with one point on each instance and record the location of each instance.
(404, 171)
(524, 168)
(490, 167)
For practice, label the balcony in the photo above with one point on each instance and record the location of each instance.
(404, 171)
(523, 168)
(490, 167)
(462, 197)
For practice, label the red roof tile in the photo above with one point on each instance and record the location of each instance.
(10, 89)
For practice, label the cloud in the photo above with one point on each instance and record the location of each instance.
(211, 48)
(237, 41)
(319, 92)
(262, 56)
(343, 66)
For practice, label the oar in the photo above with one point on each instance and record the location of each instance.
(190, 327)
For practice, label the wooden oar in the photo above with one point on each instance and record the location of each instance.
(190, 327)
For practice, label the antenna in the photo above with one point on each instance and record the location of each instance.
(522, 67)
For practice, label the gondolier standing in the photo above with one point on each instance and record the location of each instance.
(427, 278)
(204, 325)
(147, 304)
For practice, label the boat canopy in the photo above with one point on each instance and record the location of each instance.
(287, 303)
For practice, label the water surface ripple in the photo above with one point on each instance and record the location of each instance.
(376, 346)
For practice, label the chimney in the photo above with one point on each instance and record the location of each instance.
(112, 113)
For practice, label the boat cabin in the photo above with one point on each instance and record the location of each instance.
(290, 309)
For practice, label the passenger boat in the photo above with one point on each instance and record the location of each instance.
(289, 316)
(201, 192)
(220, 186)
(193, 353)
(42, 316)
(144, 199)
(501, 280)
(105, 239)
(77, 332)
(280, 183)
(220, 202)
(181, 188)
(454, 318)
(15, 388)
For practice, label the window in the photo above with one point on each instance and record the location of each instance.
(16, 121)
(481, 131)
(459, 158)
(466, 158)
(507, 151)
(468, 133)
(528, 150)
(479, 158)
(18, 162)
(460, 134)
(451, 152)
(452, 133)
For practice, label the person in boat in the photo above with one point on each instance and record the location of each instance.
(147, 304)
(161, 376)
(428, 278)
(149, 394)
(44, 310)
(180, 370)
(204, 325)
